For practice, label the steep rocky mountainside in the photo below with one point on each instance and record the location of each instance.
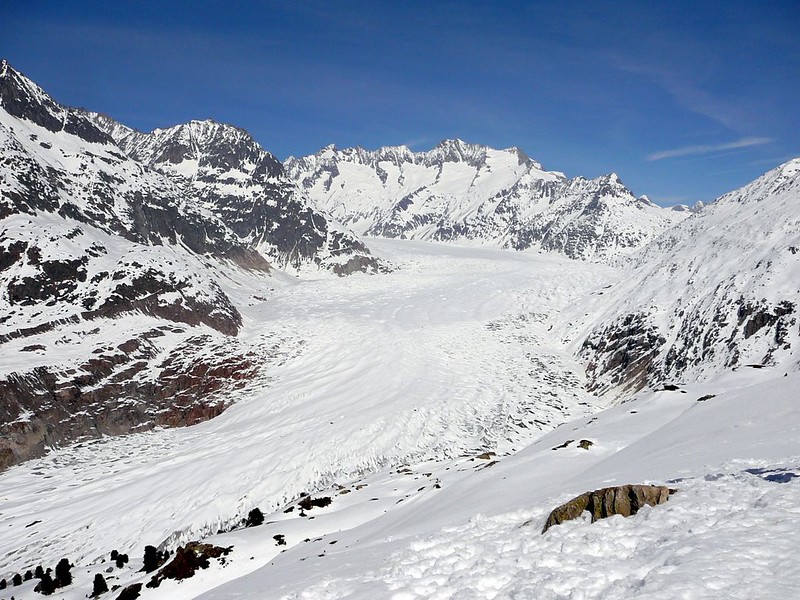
(719, 292)
(471, 193)
(229, 175)
(115, 306)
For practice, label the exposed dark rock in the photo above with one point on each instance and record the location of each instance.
(99, 585)
(46, 585)
(187, 560)
(131, 592)
(564, 445)
(62, 407)
(622, 354)
(625, 500)
(153, 559)
(308, 502)
(63, 574)
(254, 518)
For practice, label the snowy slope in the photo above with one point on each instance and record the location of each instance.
(729, 532)
(717, 292)
(475, 194)
(450, 353)
(470, 526)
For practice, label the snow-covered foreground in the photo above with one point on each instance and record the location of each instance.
(730, 532)
(393, 388)
(450, 353)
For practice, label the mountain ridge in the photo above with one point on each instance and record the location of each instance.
(471, 193)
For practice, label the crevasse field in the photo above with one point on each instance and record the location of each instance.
(385, 393)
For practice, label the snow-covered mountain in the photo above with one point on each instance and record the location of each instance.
(229, 175)
(90, 237)
(719, 291)
(404, 434)
(476, 194)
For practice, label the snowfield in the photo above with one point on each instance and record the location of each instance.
(450, 353)
(389, 392)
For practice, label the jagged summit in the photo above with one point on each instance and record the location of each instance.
(230, 175)
(471, 193)
(22, 98)
(197, 144)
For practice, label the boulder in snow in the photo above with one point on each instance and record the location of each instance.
(625, 500)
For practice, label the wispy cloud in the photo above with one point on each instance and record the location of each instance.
(709, 148)
(688, 93)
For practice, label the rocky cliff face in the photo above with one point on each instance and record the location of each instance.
(230, 176)
(469, 193)
(719, 292)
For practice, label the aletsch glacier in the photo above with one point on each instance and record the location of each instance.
(140, 290)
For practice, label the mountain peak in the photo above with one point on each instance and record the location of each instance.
(22, 98)
(457, 150)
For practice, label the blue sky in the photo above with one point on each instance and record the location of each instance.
(684, 100)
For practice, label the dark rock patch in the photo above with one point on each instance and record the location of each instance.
(308, 502)
(254, 518)
(187, 560)
(99, 585)
(131, 592)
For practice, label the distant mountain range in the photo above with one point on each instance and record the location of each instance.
(474, 194)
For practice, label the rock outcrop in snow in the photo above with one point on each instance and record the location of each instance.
(475, 194)
(623, 500)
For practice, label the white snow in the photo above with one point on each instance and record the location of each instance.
(427, 367)
(439, 406)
